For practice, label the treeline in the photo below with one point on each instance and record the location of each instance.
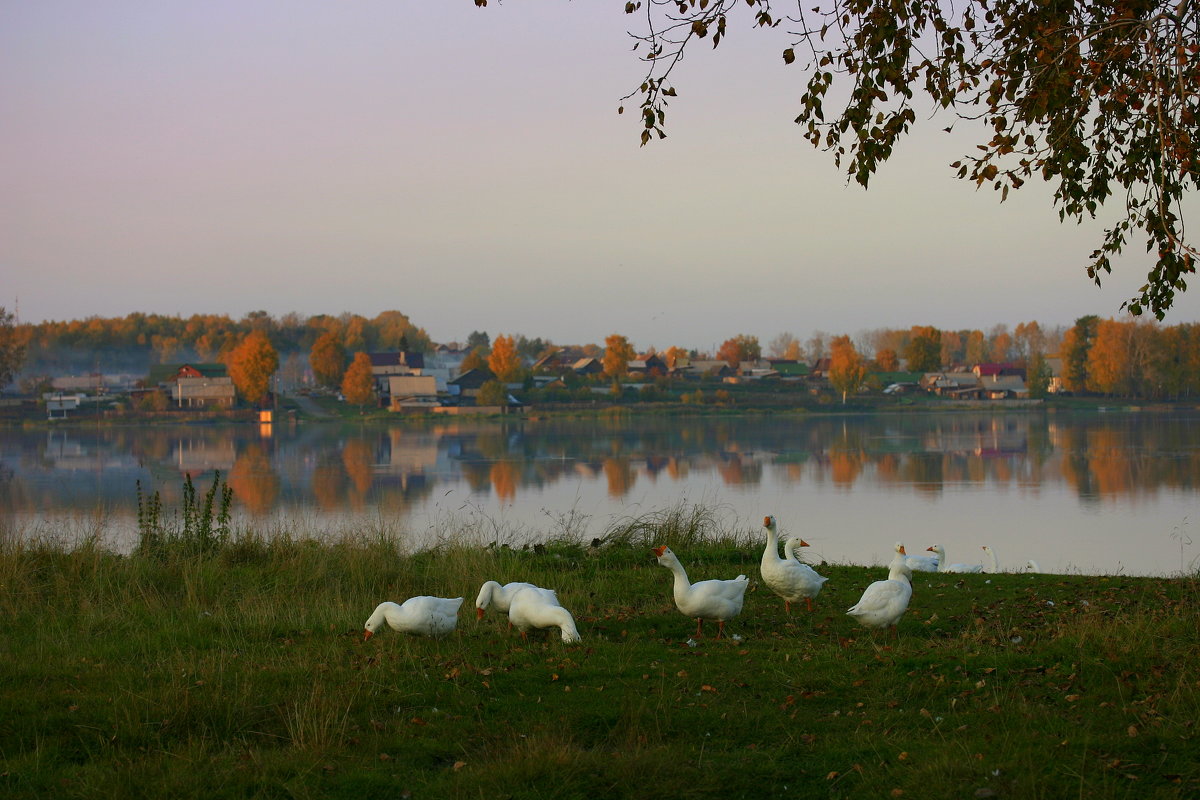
(135, 341)
(1129, 357)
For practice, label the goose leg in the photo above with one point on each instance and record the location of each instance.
(699, 626)
(808, 600)
(720, 628)
(787, 607)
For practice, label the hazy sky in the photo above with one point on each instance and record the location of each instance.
(468, 167)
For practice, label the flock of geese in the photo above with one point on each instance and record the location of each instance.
(531, 607)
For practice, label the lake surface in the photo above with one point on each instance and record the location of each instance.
(1096, 493)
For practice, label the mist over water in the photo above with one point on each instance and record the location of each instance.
(1096, 493)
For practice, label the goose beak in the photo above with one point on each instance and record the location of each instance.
(804, 543)
(930, 549)
(902, 551)
(478, 613)
(658, 551)
(368, 635)
(767, 522)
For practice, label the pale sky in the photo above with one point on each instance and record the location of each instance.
(468, 167)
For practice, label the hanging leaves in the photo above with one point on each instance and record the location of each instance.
(1096, 98)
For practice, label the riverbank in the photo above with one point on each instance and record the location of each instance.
(241, 671)
(297, 409)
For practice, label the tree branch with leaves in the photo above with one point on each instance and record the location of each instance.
(1099, 98)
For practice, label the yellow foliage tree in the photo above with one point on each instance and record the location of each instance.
(251, 365)
(618, 352)
(846, 367)
(328, 359)
(358, 384)
(504, 361)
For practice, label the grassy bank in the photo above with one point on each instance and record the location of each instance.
(240, 672)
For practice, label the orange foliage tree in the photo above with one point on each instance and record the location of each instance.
(358, 384)
(846, 367)
(618, 352)
(328, 359)
(251, 365)
(738, 349)
(504, 361)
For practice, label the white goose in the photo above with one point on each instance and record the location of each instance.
(1032, 566)
(533, 608)
(719, 600)
(918, 563)
(884, 602)
(944, 566)
(421, 615)
(492, 593)
(788, 577)
(993, 564)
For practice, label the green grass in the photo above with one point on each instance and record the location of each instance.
(241, 673)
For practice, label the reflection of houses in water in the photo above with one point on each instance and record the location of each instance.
(997, 438)
(67, 453)
(194, 456)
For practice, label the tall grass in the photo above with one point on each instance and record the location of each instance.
(239, 670)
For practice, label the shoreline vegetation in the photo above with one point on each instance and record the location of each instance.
(332, 411)
(213, 662)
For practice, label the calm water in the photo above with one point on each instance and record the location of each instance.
(1094, 493)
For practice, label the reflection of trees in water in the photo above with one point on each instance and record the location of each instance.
(253, 480)
(477, 475)
(358, 460)
(1097, 455)
(503, 475)
(620, 475)
(738, 471)
(328, 482)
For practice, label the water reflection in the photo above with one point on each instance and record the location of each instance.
(1119, 459)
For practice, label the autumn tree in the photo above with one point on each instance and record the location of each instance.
(1001, 341)
(1109, 366)
(887, 360)
(847, 369)
(251, 365)
(479, 340)
(475, 359)
(1028, 339)
(504, 361)
(1076, 343)
(1037, 376)
(975, 351)
(328, 359)
(785, 345)
(618, 352)
(923, 353)
(492, 393)
(358, 384)
(672, 354)
(12, 348)
(1096, 98)
(738, 349)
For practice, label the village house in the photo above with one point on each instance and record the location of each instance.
(194, 385)
(412, 393)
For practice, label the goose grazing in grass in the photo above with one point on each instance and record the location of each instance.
(1032, 566)
(884, 602)
(788, 577)
(993, 564)
(917, 563)
(719, 600)
(493, 594)
(421, 615)
(945, 566)
(533, 608)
